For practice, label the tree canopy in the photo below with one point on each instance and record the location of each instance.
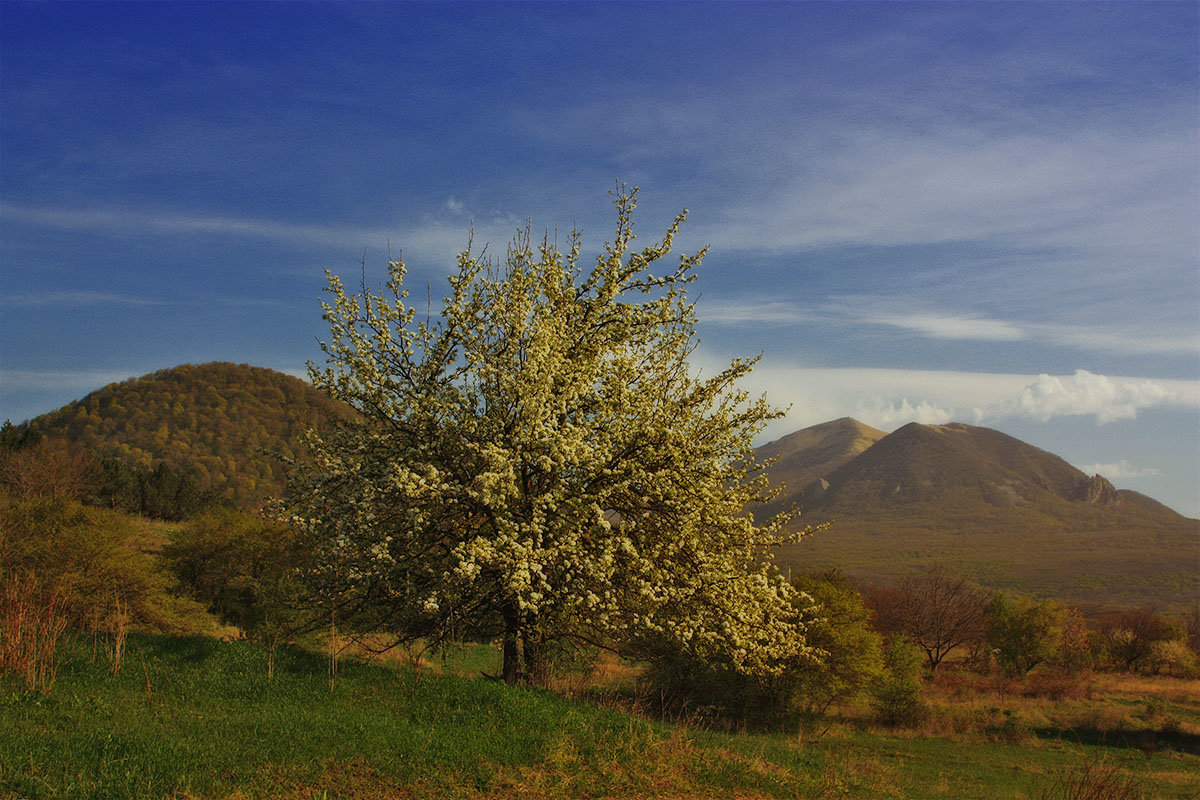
(219, 424)
(540, 462)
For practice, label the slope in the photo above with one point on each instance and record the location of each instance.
(809, 454)
(226, 425)
(1005, 512)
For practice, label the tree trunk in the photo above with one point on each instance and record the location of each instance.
(534, 663)
(512, 655)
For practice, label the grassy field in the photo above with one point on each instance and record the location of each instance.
(197, 718)
(1101, 567)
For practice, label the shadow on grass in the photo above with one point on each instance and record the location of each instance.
(191, 649)
(1148, 741)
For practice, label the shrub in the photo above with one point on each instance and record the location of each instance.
(239, 565)
(850, 660)
(1023, 633)
(898, 697)
(1126, 638)
(91, 558)
(1173, 657)
(1091, 780)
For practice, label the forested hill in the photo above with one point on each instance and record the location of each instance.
(219, 423)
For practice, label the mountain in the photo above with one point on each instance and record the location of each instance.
(806, 456)
(1005, 512)
(223, 424)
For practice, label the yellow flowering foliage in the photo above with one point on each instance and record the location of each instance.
(540, 462)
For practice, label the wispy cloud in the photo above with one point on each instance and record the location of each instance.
(1132, 337)
(767, 312)
(133, 221)
(429, 237)
(22, 380)
(950, 326)
(75, 299)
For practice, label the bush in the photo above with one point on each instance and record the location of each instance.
(238, 564)
(1023, 633)
(850, 661)
(1173, 657)
(1126, 639)
(89, 558)
(898, 697)
(853, 652)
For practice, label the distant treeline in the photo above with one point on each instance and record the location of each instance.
(31, 465)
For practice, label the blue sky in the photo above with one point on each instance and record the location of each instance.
(978, 212)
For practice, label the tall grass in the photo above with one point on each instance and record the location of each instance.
(1092, 780)
(31, 622)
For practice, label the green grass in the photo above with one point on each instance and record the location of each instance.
(198, 718)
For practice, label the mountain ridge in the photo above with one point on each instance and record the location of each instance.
(1001, 510)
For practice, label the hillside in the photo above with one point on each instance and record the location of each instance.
(223, 424)
(809, 454)
(1009, 514)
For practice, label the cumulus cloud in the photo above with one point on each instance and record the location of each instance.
(1086, 394)
(882, 413)
(1122, 470)
(455, 206)
(888, 398)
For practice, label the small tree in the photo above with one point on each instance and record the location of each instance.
(852, 651)
(898, 695)
(933, 610)
(1074, 653)
(1023, 633)
(540, 463)
(1128, 636)
(239, 564)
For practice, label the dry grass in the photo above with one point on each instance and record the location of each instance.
(31, 622)
(1091, 780)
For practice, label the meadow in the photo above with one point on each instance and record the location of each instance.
(175, 717)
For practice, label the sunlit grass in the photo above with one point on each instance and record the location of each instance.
(197, 718)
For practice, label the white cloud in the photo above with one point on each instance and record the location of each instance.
(455, 206)
(891, 414)
(1122, 470)
(951, 326)
(1087, 394)
(888, 398)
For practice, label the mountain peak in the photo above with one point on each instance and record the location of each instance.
(807, 455)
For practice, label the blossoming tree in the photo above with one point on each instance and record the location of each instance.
(540, 463)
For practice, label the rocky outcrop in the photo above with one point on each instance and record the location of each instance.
(1097, 491)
